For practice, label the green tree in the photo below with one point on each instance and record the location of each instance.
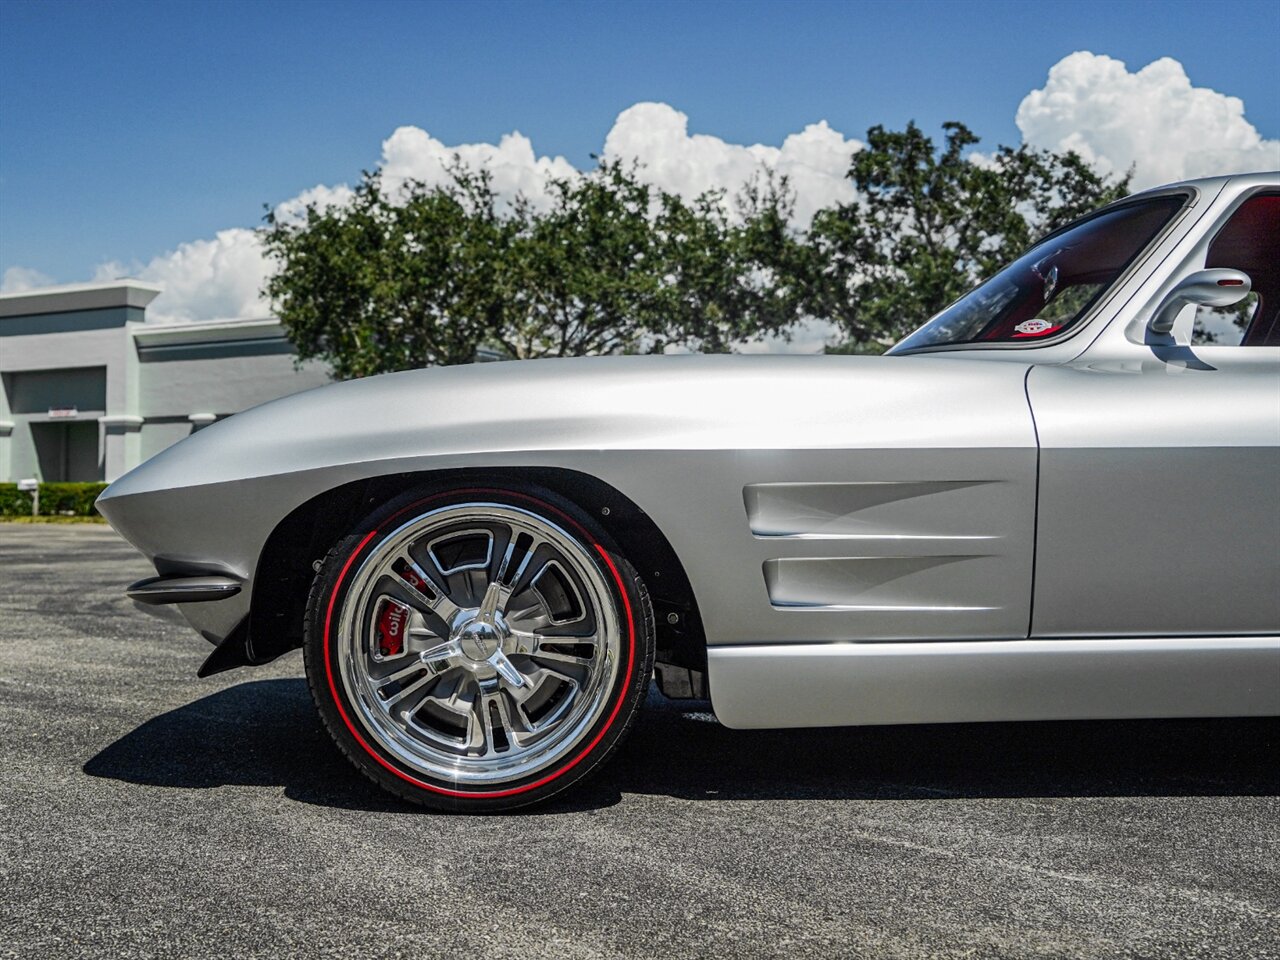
(577, 278)
(427, 275)
(929, 223)
(381, 284)
(430, 274)
(727, 273)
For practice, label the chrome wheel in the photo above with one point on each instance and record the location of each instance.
(478, 643)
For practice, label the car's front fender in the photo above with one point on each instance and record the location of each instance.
(682, 437)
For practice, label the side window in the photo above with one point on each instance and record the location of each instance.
(1249, 241)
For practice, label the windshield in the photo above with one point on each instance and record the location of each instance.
(1050, 287)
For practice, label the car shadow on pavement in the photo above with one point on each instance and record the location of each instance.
(266, 733)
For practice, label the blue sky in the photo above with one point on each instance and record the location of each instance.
(128, 128)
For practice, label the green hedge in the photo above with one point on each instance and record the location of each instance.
(12, 502)
(56, 499)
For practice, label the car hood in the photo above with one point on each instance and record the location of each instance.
(597, 403)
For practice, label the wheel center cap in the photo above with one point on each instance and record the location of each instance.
(479, 640)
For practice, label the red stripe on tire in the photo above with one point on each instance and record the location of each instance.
(382, 761)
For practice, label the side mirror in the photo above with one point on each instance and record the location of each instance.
(1205, 288)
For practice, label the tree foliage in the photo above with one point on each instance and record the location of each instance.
(930, 223)
(429, 274)
(384, 283)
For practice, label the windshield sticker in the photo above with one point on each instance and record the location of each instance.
(1035, 328)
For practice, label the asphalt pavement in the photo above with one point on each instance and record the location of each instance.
(144, 812)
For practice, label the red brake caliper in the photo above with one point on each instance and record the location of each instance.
(406, 573)
(392, 624)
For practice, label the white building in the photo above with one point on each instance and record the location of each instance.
(89, 390)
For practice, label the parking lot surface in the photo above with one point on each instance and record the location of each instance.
(144, 812)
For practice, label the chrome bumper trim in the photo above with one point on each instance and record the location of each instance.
(199, 589)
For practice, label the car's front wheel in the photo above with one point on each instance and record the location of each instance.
(478, 649)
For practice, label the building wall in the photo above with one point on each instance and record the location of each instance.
(39, 391)
(136, 387)
(83, 362)
(218, 383)
(155, 435)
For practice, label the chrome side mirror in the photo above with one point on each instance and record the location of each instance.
(1205, 288)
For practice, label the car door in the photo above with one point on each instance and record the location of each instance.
(1159, 489)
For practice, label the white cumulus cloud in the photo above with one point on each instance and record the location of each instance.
(321, 196)
(203, 279)
(815, 160)
(219, 278)
(222, 277)
(654, 135)
(410, 153)
(1153, 120)
(22, 279)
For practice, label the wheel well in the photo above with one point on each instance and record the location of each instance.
(284, 572)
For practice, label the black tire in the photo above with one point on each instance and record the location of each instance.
(626, 693)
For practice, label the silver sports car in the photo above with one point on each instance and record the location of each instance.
(1059, 498)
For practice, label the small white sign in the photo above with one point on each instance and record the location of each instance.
(59, 413)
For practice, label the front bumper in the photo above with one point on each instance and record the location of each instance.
(183, 589)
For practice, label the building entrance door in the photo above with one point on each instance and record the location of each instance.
(67, 452)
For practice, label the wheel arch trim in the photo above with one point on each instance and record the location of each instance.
(283, 571)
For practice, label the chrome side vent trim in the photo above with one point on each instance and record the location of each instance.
(870, 510)
(880, 584)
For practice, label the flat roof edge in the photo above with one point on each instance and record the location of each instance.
(205, 331)
(71, 297)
